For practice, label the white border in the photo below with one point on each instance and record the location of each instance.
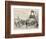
(17, 31)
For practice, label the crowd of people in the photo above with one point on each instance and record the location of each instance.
(31, 22)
